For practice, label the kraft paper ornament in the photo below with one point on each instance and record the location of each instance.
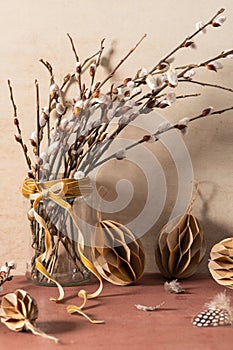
(19, 312)
(221, 262)
(181, 246)
(116, 254)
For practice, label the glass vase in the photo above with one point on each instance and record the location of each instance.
(62, 260)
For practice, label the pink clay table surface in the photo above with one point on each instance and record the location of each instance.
(125, 327)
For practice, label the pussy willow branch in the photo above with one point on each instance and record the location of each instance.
(38, 126)
(223, 54)
(186, 69)
(49, 68)
(188, 38)
(98, 53)
(158, 133)
(4, 277)
(73, 48)
(79, 78)
(205, 63)
(84, 159)
(205, 84)
(97, 65)
(122, 61)
(89, 165)
(16, 123)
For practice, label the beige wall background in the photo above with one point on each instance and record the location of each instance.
(31, 30)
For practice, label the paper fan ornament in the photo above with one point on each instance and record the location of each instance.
(221, 262)
(19, 312)
(181, 246)
(116, 254)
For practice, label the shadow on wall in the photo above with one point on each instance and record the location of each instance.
(214, 232)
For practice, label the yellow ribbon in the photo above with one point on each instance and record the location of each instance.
(56, 190)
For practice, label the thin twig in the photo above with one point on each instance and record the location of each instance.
(73, 48)
(49, 68)
(205, 84)
(205, 63)
(18, 137)
(122, 61)
(38, 117)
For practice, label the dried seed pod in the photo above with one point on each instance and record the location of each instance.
(19, 312)
(180, 247)
(221, 262)
(116, 254)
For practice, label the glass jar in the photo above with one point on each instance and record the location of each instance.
(62, 259)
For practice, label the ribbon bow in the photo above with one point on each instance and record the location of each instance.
(56, 191)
